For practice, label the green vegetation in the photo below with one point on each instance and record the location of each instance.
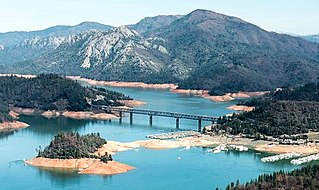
(4, 112)
(51, 92)
(72, 145)
(287, 111)
(304, 178)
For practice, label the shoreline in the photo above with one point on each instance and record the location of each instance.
(14, 125)
(67, 114)
(241, 108)
(206, 141)
(82, 166)
(132, 103)
(123, 84)
(223, 98)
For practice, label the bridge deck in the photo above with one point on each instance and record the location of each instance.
(160, 113)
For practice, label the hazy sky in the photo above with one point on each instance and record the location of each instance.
(289, 16)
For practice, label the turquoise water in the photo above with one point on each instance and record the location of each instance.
(155, 169)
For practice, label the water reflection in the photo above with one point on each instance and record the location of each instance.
(6, 134)
(40, 125)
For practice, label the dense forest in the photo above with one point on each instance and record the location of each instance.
(304, 178)
(4, 112)
(71, 145)
(287, 111)
(52, 92)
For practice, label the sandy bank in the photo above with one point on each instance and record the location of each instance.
(223, 98)
(132, 103)
(280, 149)
(88, 115)
(241, 108)
(202, 93)
(83, 165)
(113, 147)
(7, 126)
(233, 96)
(123, 84)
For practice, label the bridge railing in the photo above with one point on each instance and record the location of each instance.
(159, 113)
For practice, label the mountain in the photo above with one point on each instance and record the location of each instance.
(117, 54)
(31, 48)
(14, 38)
(312, 38)
(202, 50)
(150, 24)
(228, 54)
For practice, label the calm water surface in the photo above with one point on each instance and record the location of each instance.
(155, 169)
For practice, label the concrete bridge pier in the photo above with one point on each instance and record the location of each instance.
(151, 120)
(177, 123)
(131, 118)
(120, 115)
(199, 125)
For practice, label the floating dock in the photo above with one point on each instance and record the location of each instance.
(281, 157)
(174, 135)
(304, 160)
(238, 147)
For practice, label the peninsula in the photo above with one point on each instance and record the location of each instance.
(53, 96)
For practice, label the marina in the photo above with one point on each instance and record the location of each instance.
(239, 148)
(306, 159)
(281, 157)
(224, 147)
(174, 135)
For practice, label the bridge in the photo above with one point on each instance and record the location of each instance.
(152, 113)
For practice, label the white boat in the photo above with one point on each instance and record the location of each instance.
(218, 149)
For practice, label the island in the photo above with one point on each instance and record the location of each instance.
(71, 150)
(52, 95)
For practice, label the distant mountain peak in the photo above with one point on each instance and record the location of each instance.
(149, 24)
(202, 15)
(125, 31)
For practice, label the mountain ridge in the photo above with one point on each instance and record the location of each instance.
(201, 50)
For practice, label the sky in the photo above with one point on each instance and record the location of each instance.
(285, 16)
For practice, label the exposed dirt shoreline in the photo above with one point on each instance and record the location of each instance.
(68, 114)
(14, 125)
(123, 84)
(241, 108)
(132, 103)
(113, 147)
(83, 165)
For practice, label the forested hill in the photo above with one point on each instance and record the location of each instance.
(304, 178)
(72, 145)
(308, 92)
(287, 111)
(52, 92)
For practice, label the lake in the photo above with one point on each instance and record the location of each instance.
(155, 169)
